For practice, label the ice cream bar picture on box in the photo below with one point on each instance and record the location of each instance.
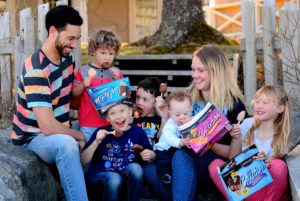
(105, 95)
(242, 175)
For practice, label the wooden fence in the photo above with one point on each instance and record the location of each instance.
(283, 39)
(280, 45)
(14, 50)
(172, 68)
(226, 15)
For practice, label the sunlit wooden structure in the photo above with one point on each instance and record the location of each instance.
(226, 15)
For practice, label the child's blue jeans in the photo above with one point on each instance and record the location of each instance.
(107, 186)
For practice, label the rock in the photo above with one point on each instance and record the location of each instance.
(23, 176)
(294, 138)
(293, 162)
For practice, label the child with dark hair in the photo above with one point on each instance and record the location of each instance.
(103, 46)
(149, 120)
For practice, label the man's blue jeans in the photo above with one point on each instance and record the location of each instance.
(108, 185)
(62, 150)
(88, 132)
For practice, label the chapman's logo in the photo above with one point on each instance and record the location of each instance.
(253, 176)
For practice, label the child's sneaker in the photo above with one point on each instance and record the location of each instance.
(166, 178)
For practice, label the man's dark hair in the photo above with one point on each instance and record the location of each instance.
(151, 85)
(61, 16)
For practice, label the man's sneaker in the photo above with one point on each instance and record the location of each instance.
(166, 178)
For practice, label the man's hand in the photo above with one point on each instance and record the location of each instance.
(81, 144)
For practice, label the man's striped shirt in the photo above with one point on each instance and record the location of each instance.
(42, 84)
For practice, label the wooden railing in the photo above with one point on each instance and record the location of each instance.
(175, 69)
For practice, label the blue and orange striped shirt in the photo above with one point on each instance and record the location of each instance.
(42, 84)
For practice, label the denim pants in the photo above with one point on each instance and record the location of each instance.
(190, 173)
(62, 150)
(107, 186)
(88, 132)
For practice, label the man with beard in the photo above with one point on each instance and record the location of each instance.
(41, 122)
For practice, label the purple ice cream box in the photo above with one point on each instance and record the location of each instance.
(206, 128)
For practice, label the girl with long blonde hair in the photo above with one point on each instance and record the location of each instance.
(269, 130)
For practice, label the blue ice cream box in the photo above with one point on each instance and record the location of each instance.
(105, 95)
(242, 175)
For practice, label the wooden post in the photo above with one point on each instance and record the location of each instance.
(249, 60)
(19, 62)
(27, 31)
(132, 19)
(24, 44)
(5, 63)
(81, 6)
(290, 34)
(42, 32)
(62, 2)
(235, 65)
(270, 53)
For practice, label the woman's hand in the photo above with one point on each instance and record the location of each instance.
(236, 132)
(148, 155)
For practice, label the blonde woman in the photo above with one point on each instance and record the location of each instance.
(213, 81)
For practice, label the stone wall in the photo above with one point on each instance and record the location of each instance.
(23, 176)
(293, 161)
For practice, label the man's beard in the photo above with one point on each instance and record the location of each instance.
(60, 48)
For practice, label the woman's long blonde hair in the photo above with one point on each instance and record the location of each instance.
(281, 123)
(223, 87)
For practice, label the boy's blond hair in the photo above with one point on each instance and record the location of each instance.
(104, 39)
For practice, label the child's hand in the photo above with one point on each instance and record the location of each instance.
(101, 134)
(161, 107)
(267, 161)
(236, 132)
(148, 155)
(87, 81)
(116, 73)
(184, 142)
(260, 156)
